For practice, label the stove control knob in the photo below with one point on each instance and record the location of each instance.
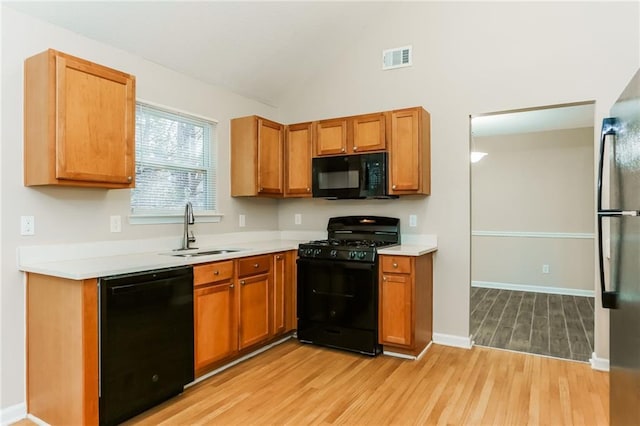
(308, 252)
(317, 252)
(352, 255)
(361, 255)
(334, 253)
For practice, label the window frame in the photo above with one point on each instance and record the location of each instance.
(143, 216)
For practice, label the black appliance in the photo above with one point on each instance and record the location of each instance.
(146, 340)
(338, 283)
(350, 176)
(619, 213)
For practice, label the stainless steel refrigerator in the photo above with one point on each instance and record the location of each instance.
(619, 219)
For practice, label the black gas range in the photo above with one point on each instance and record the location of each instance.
(338, 283)
(353, 238)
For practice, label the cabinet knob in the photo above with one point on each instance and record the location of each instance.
(308, 189)
(342, 150)
(393, 187)
(255, 265)
(261, 189)
(232, 285)
(395, 265)
(278, 257)
(384, 278)
(355, 148)
(129, 178)
(216, 272)
(242, 282)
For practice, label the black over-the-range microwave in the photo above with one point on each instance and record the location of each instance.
(351, 176)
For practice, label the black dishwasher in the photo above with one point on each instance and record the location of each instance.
(146, 340)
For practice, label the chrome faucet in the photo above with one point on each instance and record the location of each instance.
(189, 219)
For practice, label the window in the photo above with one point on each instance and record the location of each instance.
(174, 164)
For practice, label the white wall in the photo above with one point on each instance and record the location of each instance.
(469, 58)
(80, 215)
(539, 182)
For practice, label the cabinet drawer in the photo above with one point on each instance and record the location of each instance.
(212, 272)
(396, 264)
(254, 265)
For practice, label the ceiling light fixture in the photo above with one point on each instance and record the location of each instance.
(477, 156)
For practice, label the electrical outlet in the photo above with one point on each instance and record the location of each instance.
(545, 269)
(27, 225)
(115, 223)
(298, 219)
(413, 220)
(241, 221)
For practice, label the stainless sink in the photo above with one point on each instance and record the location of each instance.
(202, 253)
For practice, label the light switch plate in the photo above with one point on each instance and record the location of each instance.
(298, 219)
(241, 221)
(413, 220)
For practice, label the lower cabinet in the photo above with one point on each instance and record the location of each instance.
(405, 303)
(241, 304)
(254, 301)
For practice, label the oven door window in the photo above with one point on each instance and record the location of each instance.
(339, 293)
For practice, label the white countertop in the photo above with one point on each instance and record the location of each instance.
(87, 260)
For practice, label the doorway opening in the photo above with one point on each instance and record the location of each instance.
(532, 230)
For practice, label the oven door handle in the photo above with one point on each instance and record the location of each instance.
(328, 293)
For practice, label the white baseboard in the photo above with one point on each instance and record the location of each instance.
(405, 356)
(13, 413)
(451, 340)
(533, 288)
(601, 364)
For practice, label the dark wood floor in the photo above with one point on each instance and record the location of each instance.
(546, 324)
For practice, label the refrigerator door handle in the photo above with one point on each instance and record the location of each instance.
(609, 297)
(609, 125)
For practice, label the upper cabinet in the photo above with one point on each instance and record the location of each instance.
(298, 145)
(410, 152)
(331, 137)
(369, 132)
(79, 123)
(351, 135)
(266, 163)
(256, 157)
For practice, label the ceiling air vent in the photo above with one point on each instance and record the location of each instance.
(397, 58)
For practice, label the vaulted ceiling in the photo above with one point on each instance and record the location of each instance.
(256, 49)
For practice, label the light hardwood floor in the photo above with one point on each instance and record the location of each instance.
(300, 384)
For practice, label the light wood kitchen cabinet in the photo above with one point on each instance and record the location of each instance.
(351, 135)
(257, 157)
(410, 152)
(369, 132)
(254, 301)
(405, 303)
(79, 123)
(215, 329)
(331, 137)
(298, 149)
(284, 293)
(62, 349)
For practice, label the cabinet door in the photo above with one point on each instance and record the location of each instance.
(254, 302)
(215, 335)
(331, 137)
(369, 132)
(95, 123)
(270, 157)
(396, 310)
(404, 158)
(299, 138)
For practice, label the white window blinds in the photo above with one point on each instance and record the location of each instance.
(174, 162)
